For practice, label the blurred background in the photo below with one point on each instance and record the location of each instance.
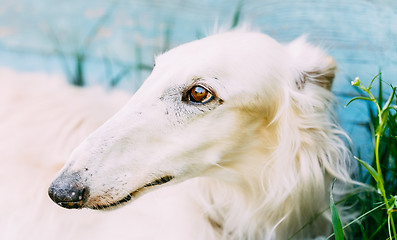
(113, 42)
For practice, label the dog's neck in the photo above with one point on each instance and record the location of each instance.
(238, 200)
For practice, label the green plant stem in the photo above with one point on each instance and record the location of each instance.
(381, 185)
(378, 168)
(381, 123)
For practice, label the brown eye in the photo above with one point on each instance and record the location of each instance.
(198, 94)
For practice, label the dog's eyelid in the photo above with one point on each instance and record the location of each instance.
(202, 82)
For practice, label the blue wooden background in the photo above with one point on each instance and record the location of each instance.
(120, 38)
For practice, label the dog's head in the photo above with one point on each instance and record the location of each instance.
(204, 107)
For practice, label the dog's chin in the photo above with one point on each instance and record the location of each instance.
(132, 196)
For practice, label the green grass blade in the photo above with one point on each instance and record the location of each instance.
(364, 215)
(370, 169)
(336, 223)
(237, 14)
(356, 98)
(380, 92)
(387, 104)
(381, 225)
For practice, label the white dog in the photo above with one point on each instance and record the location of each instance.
(41, 120)
(245, 122)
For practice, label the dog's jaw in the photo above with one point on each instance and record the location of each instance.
(71, 193)
(166, 180)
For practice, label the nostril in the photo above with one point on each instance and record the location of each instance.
(68, 195)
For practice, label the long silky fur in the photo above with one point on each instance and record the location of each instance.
(293, 185)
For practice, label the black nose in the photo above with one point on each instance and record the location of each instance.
(67, 192)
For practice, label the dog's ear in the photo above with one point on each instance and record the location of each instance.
(312, 64)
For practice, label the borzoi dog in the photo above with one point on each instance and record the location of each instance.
(245, 116)
(236, 123)
(41, 120)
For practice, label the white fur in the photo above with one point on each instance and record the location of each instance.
(255, 165)
(41, 120)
